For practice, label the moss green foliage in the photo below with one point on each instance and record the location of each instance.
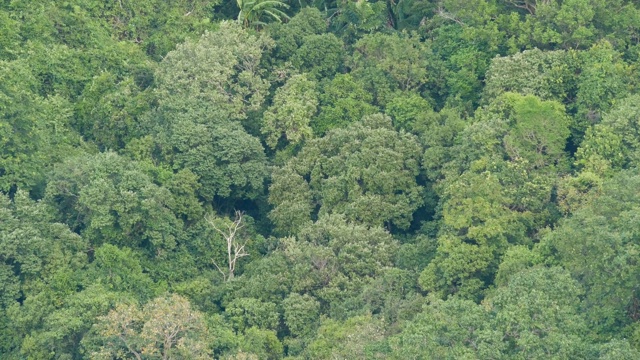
(319, 179)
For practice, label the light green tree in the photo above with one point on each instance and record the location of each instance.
(216, 76)
(537, 315)
(401, 57)
(320, 55)
(484, 211)
(367, 172)
(204, 89)
(452, 329)
(549, 75)
(604, 78)
(34, 132)
(333, 260)
(301, 314)
(615, 140)
(294, 105)
(109, 199)
(342, 101)
(245, 313)
(598, 246)
(57, 319)
(539, 131)
(352, 338)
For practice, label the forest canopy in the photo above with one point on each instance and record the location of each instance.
(277, 179)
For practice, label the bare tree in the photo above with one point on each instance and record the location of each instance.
(235, 247)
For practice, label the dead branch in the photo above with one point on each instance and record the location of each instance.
(235, 248)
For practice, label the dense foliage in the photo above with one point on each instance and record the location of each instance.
(269, 179)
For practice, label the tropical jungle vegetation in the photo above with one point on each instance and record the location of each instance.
(319, 179)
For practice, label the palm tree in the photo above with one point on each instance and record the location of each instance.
(256, 12)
